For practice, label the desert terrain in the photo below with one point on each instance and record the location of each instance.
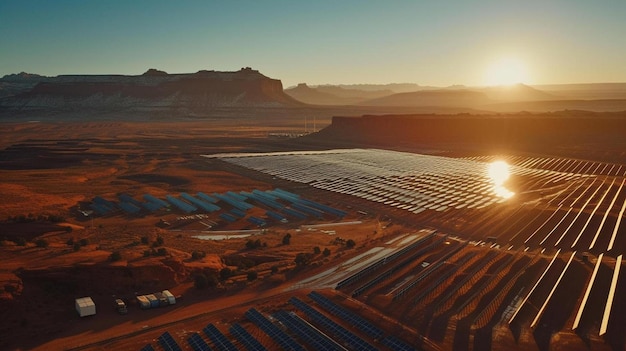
(428, 273)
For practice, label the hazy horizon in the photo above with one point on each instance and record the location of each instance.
(459, 43)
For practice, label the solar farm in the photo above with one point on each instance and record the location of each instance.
(257, 208)
(320, 324)
(538, 254)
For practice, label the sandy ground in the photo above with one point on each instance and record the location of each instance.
(52, 170)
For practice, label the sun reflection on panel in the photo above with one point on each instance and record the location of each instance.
(499, 172)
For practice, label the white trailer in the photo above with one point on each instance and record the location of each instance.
(85, 306)
(170, 297)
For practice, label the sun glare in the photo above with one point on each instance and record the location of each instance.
(499, 172)
(506, 72)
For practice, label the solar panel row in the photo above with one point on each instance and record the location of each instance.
(310, 335)
(218, 339)
(246, 338)
(396, 344)
(168, 343)
(346, 336)
(148, 347)
(207, 206)
(197, 343)
(284, 340)
(348, 316)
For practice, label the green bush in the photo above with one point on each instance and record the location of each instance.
(350, 243)
(302, 259)
(115, 256)
(225, 273)
(326, 252)
(201, 281)
(287, 239)
(252, 276)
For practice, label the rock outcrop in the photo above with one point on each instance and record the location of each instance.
(152, 92)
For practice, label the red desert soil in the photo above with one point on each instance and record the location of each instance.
(55, 169)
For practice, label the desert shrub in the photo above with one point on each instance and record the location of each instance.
(274, 269)
(252, 276)
(158, 242)
(147, 253)
(250, 244)
(68, 229)
(326, 252)
(19, 241)
(145, 240)
(350, 243)
(253, 244)
(317, 250)
(41, 243)
(57, 219)
(225, 273)
(76, 246)
(287, 239)
(201, 281)
(161, 251)
(10, 288)
(302, 259)
(115, 256)
(196, 255)
(70, 242)
(84, 242)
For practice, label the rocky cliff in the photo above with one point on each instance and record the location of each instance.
(154, 91)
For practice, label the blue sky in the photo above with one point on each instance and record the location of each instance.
(426, 42)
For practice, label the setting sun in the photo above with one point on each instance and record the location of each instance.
(507, 71)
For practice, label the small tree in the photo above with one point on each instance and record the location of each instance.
(317, 250)
(350, 243)
(287, 239)
(115, 256)
(201, 281)
(225, 273)
(326, 252)
(158, 242)
(302, 259)
(252, 276)
(41, 243)
(196, 255)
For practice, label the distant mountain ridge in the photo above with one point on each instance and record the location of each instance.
(154, 90)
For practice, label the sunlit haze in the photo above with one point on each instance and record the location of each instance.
(506, 72)
(318, 42)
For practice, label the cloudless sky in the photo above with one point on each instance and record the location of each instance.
(341, 41)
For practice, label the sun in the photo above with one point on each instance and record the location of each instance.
(507, 71)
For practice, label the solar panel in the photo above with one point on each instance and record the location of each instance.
(197, 343)
(396, 344)
(361, 323)
(306, 332)
(148, 347)
(168, 343)
(245, 338)
(218, 339)
(284, 340)
(353, 341)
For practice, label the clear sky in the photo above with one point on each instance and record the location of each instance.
(472, 42)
